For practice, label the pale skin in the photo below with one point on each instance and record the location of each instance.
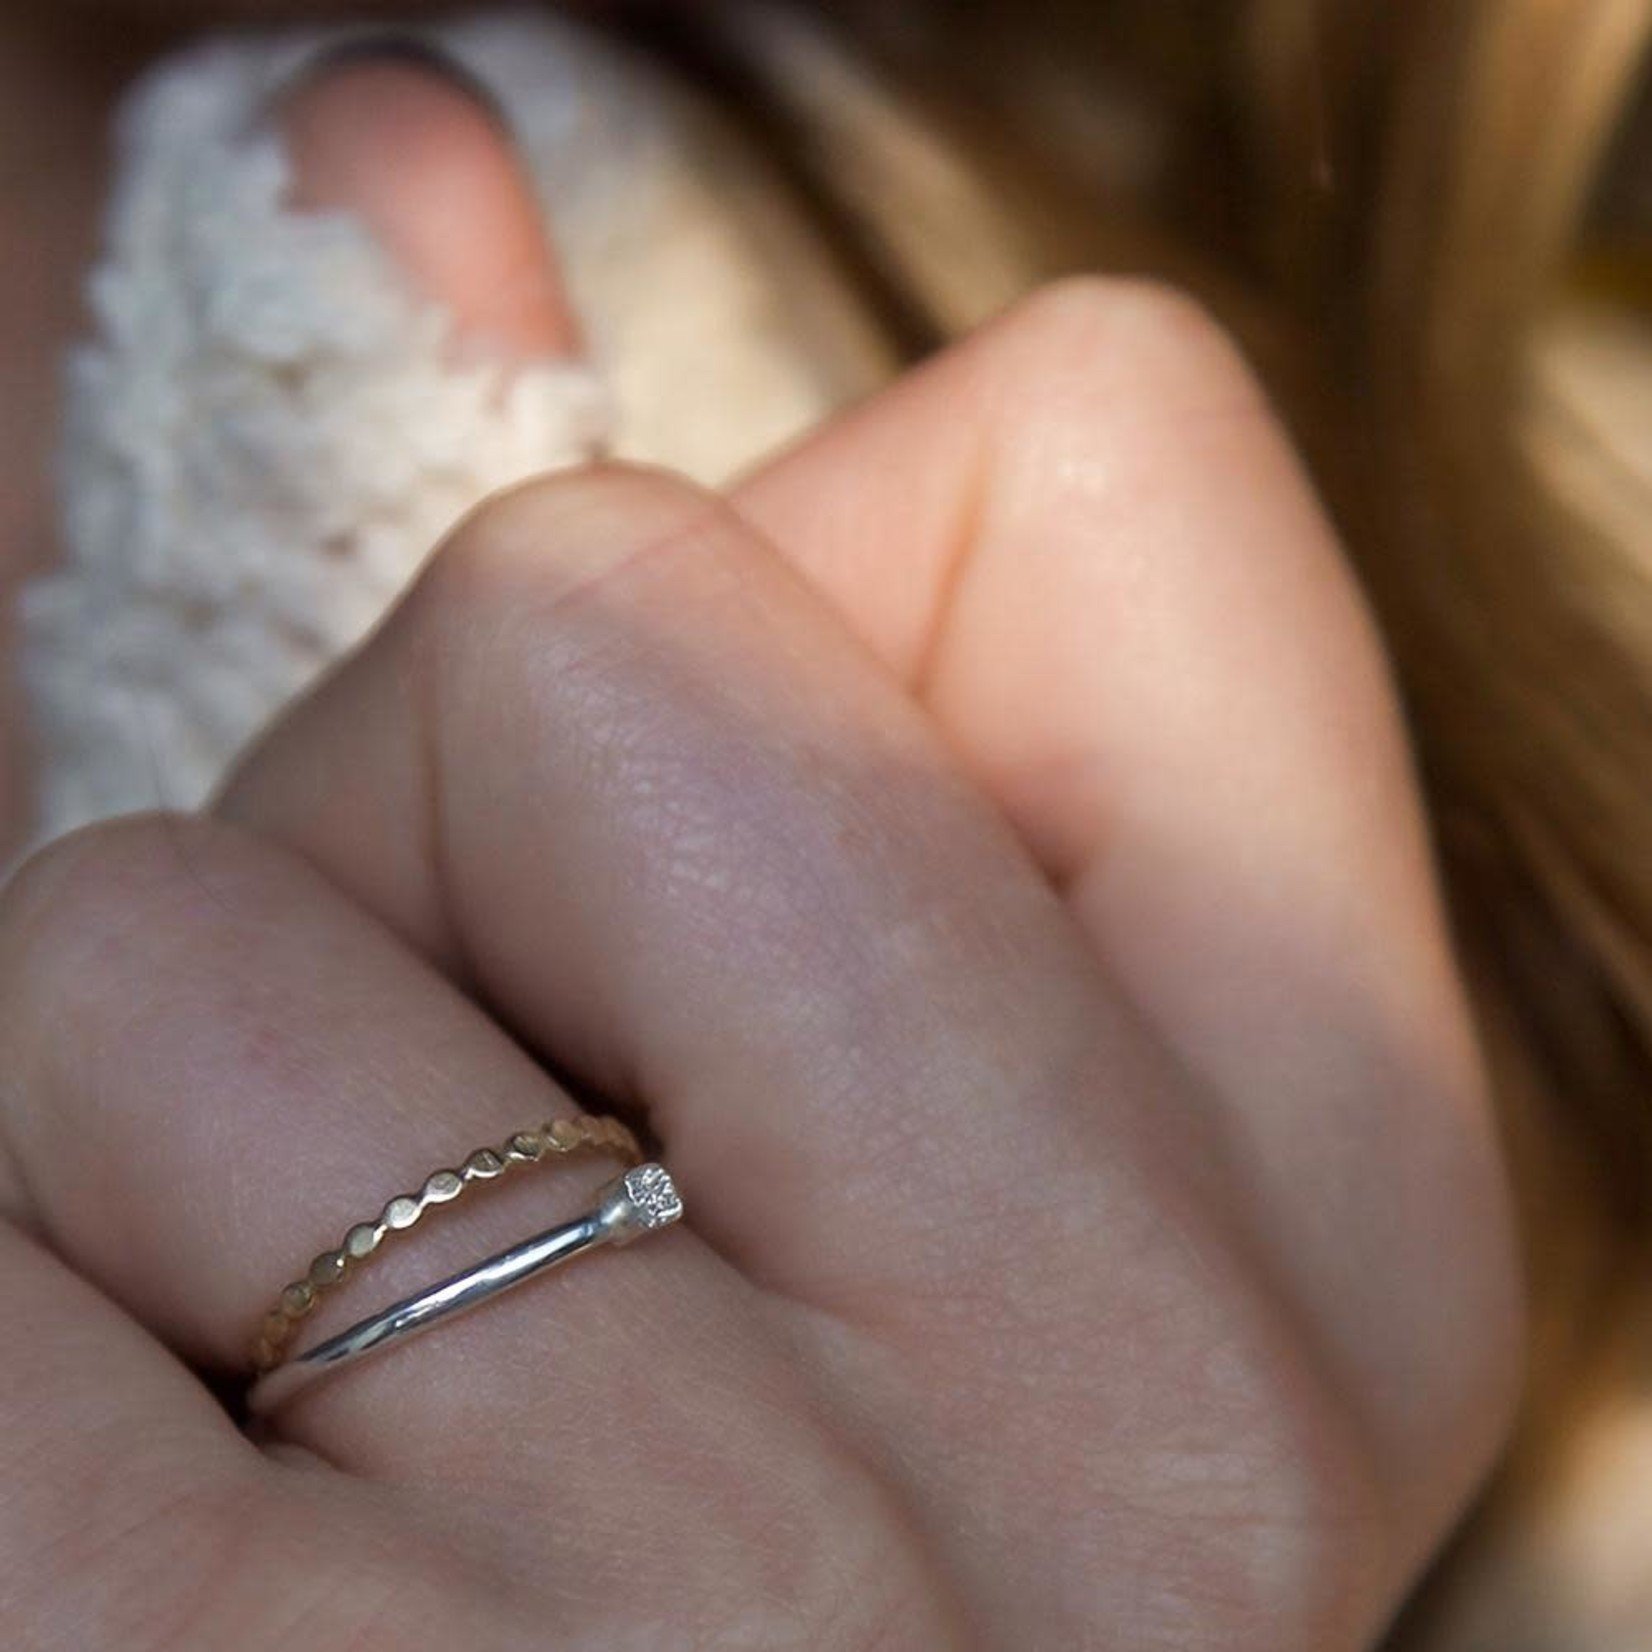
(983, 849)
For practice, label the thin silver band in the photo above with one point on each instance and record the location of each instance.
(639, 1202)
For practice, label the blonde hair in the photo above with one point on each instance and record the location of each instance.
(1406, 213)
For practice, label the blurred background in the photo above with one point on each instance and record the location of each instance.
(1430, 224)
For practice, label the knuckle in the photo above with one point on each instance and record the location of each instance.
(62, 918)
(532, 546)
(1107, 326)
(1107, 401)
(513, 532)
(63, 890)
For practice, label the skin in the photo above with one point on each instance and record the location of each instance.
(983, 849)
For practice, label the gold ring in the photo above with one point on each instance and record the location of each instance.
(558, 1138)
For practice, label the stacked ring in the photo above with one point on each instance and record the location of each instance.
(642, 1199)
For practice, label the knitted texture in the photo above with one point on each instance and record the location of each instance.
(268, 430)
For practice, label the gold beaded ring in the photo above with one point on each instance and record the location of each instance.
(558, 1138)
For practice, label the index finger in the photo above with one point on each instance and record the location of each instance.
(1083, 541)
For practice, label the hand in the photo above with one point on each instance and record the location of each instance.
(985, 853)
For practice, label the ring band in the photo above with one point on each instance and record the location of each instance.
(558, 1138)
(641, 1201)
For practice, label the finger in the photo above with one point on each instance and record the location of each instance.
(133, 1514)
(116, 1465)
(1083, 541)
(254, 1068)
(401, 141)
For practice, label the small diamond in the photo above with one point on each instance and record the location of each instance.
(651, 1189)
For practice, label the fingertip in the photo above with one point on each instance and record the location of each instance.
(404, 143)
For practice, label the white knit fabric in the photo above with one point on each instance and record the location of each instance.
(268, 431)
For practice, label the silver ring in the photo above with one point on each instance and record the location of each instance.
(641, 1201)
